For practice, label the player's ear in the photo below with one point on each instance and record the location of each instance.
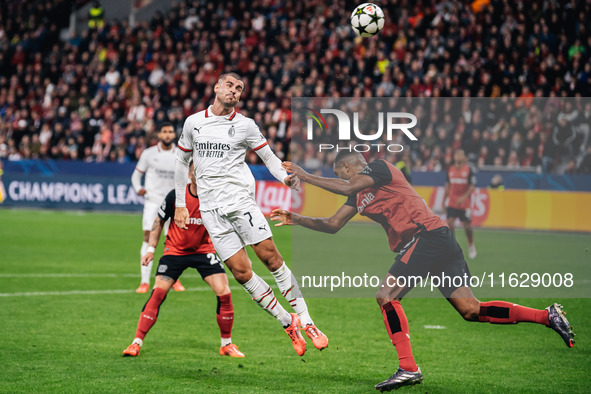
(346, 167)
(216, 87)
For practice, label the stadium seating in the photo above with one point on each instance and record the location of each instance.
(99, 95)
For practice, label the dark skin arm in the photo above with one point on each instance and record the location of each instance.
(329, 225)
(333, 185)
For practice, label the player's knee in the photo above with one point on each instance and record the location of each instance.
(242, 275)
(270, 257)
(275, 261)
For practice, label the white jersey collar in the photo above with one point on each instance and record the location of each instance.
(209, 114)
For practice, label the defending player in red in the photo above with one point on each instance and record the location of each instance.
(183, 249)
(424, 243)
(459, 186)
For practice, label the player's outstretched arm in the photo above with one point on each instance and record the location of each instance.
(333, 185)
(329, 225)
(276, 169)
(155, 233)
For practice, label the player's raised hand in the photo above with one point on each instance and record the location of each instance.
(294, 169)
(293, 182)
(287, 165)
(282, 216)
(147, 258)
(181, 217)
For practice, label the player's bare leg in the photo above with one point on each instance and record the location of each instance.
(149, 314)
(388, 298)
(263, 295)
(145, 271)
(267, 252)
(470, 238)
(503, 312)
(451, 222)
(224, 313)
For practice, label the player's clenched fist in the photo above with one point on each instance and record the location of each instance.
(147, 258)
(181, 217)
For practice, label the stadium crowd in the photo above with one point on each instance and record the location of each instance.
(99, 96)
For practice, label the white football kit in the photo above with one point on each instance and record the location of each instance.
(157, 165)
(225, 184)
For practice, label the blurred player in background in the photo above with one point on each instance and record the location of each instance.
(217, 139)
(157, 164)
(424, 244)
(459, 186)
(183, 249)
(2, 190)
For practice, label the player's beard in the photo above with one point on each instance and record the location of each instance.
(228, 102)
(166, 144)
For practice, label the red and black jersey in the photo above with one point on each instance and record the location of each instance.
(194, 240)
(393, 203)
(459, 179)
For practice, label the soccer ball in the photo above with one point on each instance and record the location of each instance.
(367, 20)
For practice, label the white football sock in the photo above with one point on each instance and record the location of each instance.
(138, 341)
(226, 341)
(146, 272)
(291, 291)
(263, 295)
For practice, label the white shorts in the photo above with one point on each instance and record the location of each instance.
(150, 214)
(232, 231)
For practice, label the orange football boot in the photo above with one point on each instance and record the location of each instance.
(231, 350)
(132, 350)
(293, 330)
(178, 286)
(318, 338)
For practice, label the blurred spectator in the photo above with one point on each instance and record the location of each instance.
(496, 182)
(96, 16)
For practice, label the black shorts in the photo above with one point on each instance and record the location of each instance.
(433, 253)
(206, 264)
(463, 214)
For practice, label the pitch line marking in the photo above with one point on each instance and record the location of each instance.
(429, 327)
(91, 275)
(88, 292)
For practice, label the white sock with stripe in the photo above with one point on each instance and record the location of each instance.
(146, 272)
(290, 289)
(263, 295)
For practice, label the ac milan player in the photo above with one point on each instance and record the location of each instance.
(459, 186)
(217, 140)
(183, 249)
(424, 243)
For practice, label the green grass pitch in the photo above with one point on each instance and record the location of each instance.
(68, 309)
